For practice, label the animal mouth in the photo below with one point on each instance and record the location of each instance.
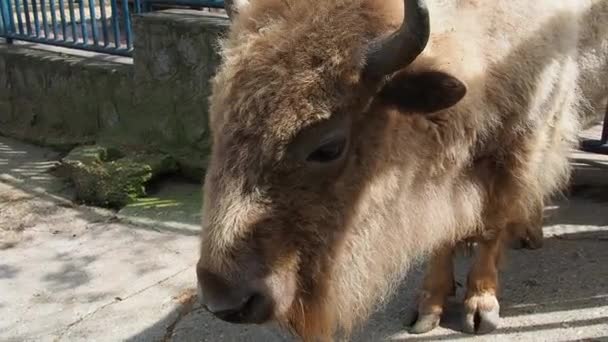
(255, 310)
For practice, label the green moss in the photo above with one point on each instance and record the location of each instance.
(101, 181)
(112, 184)
(87, 155)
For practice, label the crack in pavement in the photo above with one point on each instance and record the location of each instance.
(122, 299)
(187, 306)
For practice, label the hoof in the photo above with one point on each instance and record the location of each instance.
(533, 243)
(425, 323)
(526, 243)
(528, 236)
(481, 314)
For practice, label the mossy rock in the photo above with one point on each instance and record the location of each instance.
(87, 155)
(106, 177)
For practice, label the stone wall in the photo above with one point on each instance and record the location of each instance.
(175, 57)
(60, 100)
(158, 104)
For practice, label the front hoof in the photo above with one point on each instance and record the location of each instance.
(525, 243)
(481, 314)
(425, 323)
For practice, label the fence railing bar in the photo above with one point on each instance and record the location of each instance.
(3, 18)
(8, 24)
(72, 20)
(44, 21)
(80, 46)
(98, 31)
(83, 22)
(11, 17)
(19, 19)
(53, 18)
(104, 23)
(93, 22)
(36, 19)
(28, 23)
(127, 19)
(62, 18)
(115, 26)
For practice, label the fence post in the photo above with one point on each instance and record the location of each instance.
(7, 21)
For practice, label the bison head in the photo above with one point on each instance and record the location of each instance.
(309, 116)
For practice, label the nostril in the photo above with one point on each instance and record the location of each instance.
(253, 309)
(235, 304)
(231, 314)
(225, 308)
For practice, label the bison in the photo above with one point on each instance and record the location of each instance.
(351, 138)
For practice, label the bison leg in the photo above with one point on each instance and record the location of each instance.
(481, 308)
(438, 285)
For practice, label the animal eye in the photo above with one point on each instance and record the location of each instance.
(328, 152)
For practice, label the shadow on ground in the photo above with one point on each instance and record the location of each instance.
(37, 201)
(172, 206)
(562, 286)
(69, 268)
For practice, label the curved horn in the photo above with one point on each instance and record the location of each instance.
(403, 46)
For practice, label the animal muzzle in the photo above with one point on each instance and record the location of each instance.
(234, 302)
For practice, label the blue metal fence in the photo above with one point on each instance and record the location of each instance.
(95, 25)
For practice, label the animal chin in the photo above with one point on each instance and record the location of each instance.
(283, 291)
(292, 310)
(309, 321)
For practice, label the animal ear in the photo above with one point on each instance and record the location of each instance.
(423, 91)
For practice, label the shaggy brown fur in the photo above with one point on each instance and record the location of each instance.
(329, 243)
